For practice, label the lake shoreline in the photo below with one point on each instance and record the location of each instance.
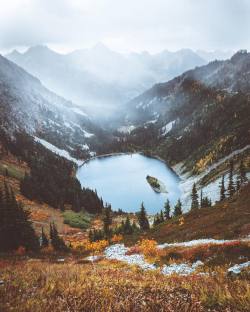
(131, 153)
(125, 174)
(108, 155)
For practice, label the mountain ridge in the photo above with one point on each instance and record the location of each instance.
(99, 77)
(26, 105)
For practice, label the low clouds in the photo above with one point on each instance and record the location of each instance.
(126, 25)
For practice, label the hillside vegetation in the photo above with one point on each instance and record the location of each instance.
(227, 219)
(114, 287)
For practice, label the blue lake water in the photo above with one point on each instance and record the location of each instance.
(121, 181)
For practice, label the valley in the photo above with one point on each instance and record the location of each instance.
(160, 193)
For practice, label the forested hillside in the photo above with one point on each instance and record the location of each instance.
(50, 178)
(196, 118)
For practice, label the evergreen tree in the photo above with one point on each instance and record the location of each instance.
(222, 189)
(134, 227)
(127, 226)
(15, 228)
(201, 198)
(231, 188)
(142, 219)
(178, 209)
(56, 241)
(44, 239)
(157, 219)
(194, 197)
(91, 236)
(241, 178)
(161, 216)
(167, 210)
(122, 226)
(107, 221)
(206, 202)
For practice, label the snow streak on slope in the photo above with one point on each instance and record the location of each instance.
(212, 189)
(57, 150)
(79, 112)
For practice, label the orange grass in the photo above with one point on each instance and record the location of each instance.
(42, 286)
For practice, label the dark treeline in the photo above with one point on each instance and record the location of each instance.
(15, 228)
(51, 177)
(233, 185)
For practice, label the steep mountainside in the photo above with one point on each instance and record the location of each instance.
(226, 220)
(99, 77)
(198, 117)
(26, 105)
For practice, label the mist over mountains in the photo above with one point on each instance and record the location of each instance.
(102, 80)
(26, 105)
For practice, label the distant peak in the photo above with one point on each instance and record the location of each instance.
(185, 51)
(14, 53)
(39, 49)
(239, 54)
(100, 46)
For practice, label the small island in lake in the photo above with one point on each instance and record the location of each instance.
(157, 185)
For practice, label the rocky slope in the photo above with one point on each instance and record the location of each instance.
(26, 105)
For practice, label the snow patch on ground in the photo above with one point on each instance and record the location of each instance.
(87, 134)
(152, 121)
(181, 268)
(237, 268)
(126, 129)
(118, 252)
(168, 127)
(85, 147)
(204, 241)
(57, 150)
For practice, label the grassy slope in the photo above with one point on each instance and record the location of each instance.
(228, 219)
(111, 286)
(41, 214)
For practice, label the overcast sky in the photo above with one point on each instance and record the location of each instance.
(125, 25)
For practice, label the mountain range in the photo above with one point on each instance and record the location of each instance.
(99, 79)
(197, 117)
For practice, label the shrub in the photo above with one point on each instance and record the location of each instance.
(148, 247)
(117, 238)
(20, 251)
(79, 220)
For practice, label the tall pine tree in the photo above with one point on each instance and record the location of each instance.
(127, 226)
(231, 188)
(56, 241)
(44, 240)
(178, 209)
(222, 189)
(167, 210)
(241, 178)
(107, 221)
(142, 218)
(194, 197)
(161, 216)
